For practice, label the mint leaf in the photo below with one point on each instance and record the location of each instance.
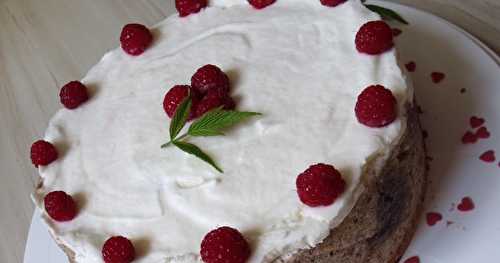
(194, 150)
(180, 117)
(386, 13)
(213, 122)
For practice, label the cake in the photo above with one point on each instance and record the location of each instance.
(301, 65)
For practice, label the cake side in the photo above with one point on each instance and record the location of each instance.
(383, 221)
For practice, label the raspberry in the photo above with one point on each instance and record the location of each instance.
(224, 245)
(187, 7)
(175, 96)
(209, 77)
(332, 2)
(60, 206)
(135, 38)
(259, 4)
(376, 107)
(320, 185)
(374, 38)
(118, 250)
(43, 153)
(214, 98)
(73, 94)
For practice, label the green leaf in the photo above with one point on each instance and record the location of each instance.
(387, 13)
(180, 117)
(213, 122)
(194, 150)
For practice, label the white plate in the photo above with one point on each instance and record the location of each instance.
(435, 45)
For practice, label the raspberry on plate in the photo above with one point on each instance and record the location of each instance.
(175, 96)
(43, 153)
(376, 107)
(187, 7)
(135, 38)
(60, 206)
(332, 2)
(118, 249)
(73, 94)
(209, 77)
(259, 4)
(320, 185)
(224, 245)
(374, 37)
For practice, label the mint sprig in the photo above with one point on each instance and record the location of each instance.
(386, 13)
(211, 123)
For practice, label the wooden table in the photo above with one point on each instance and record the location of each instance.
(44, 44)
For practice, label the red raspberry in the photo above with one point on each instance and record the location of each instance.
(118, 250)
(259, 4)
(187, 7)
(374, 38)
(214, 98)
(209, 77)
(332, 2)
(60, 206)
(43, 153)
(376, 107)
(175, 96)
(320, 185)
(73, 94)
(224, 245)
(135, 38)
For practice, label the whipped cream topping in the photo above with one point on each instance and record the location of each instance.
(294, 61)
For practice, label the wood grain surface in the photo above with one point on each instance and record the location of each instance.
(44, 44)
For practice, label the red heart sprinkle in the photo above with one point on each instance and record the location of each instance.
(488, 156)
(414, 259)
(476, 122)
(433, 218)
(437, 77)
(469, 137)
(466, 205)
(396, 32)
(411, 66)
(483, 133)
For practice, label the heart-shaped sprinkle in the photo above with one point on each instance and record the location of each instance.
(433, 218)
(411, 66)
(466, 205)
(425, 134)
(469, 137)
(396, 32)
(414, 259)
(476, 122)
(488, 156)
(437, 77)
(483, 133)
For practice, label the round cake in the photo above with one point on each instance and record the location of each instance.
(302, 66)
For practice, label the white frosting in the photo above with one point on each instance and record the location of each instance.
(294, 61)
